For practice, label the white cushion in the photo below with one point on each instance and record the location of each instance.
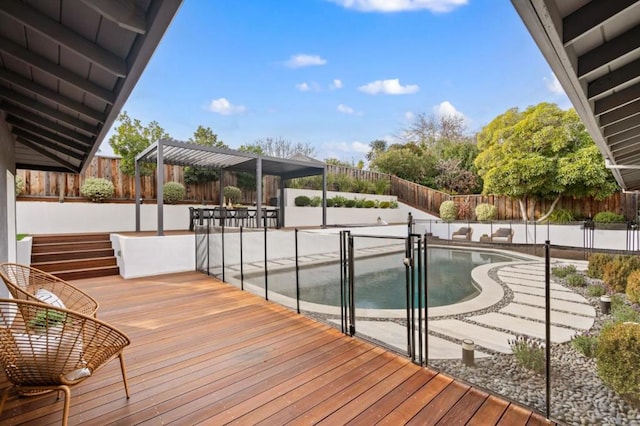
(47, 297)
(41, 350)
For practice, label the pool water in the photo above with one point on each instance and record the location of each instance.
(380, 280)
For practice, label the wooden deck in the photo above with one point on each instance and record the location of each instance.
(205, 352)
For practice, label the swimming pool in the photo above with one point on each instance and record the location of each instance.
(380, 280)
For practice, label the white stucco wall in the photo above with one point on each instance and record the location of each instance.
(146, 256)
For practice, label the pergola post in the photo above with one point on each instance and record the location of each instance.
(159, 188)
(221, 185)
(281, 204)
(324, 197)
(138, 190)
(258, 192)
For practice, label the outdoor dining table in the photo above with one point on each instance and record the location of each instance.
(233, 216)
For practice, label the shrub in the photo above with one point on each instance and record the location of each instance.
(616, 272)
(561, 216)
(315, 202)
(361, 186)
(486, 211)
(448, 211)
(596, 290)
(20, 185)
(563, 270)
(232, 193)
(633, 287)
(360, 203)
(625, 313)
(575, 280)
(369, 204)
(343, 182)
(529, 353)
(339, 201)
(97, 189)
(381, 186)
(384, 204)
(393, 204)
(618, 357)
(586, 344)
(597, 262)
(350, 203)
(302, 201)
(172, 192)
(607, 217)
(329, 202)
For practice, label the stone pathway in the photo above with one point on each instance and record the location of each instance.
(571, 314)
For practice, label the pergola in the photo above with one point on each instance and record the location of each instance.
(188, 154)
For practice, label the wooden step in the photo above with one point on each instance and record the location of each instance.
(69, 246)
(70, 254)
(68, 265)
(62, 238)
(79, 274)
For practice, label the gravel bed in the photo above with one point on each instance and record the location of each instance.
(578, 396)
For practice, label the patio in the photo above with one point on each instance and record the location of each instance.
(204, 351)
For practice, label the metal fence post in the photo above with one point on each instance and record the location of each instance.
(547, 323)
(297, 272)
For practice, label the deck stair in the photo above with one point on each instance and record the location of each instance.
(74, 256)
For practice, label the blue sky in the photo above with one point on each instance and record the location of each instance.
(338, 74)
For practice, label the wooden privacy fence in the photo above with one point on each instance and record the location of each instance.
(55, 186)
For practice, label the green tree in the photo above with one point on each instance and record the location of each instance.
(203, 136)
(407, 162)
(282, 148)
(541, 153)
(131, 138)
(377, 147)
(426, 130)
(247, 180)
(336, 162)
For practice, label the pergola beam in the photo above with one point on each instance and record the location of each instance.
(621, 126)
(614, 79)
(617, 100)
(21, 124)
(59, 33)
(125, 13)
(45, 143)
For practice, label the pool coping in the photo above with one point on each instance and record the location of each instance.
(491, 292)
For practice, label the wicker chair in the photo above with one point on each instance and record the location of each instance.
(463, 233)
(23, 282)
(45, 348)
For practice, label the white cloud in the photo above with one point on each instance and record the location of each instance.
(224, 107)
(386, 6)
(302, 60)
(336, 84)
(345, 151)
(446, 109)
(409, 116)
(553, 84)
(348, 110)
(389, 87)
(308, 87)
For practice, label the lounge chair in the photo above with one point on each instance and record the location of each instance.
(27, 283)
(463, 233)
(45, 348)
(502, 235)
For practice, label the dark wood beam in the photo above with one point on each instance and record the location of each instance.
(61, 34)
(43, 109)
(16, 111)
(623, 136)
(622, 126)
(39, 131)
(55, 70)
(617, 100)
(602, 55)
(614, 79)
(125, 13)
(619, 114)
(590, 16)
(36, 89)
(47, 143)
(48, 154)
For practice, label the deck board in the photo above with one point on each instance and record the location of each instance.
(204, 352)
